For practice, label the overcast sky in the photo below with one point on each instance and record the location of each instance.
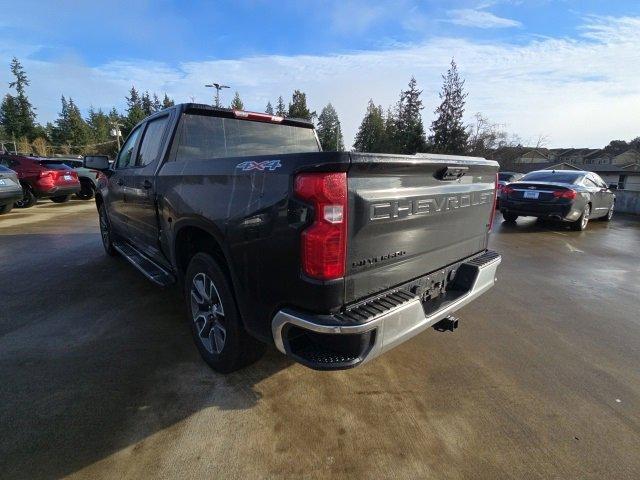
(568, 70)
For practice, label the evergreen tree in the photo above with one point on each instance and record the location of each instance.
(71, 129)
(298, 106)
(329, 130)
(135, 111)
(236, 103)
(155, 103)
(147, 104)
(410, 136)
(99, 132)
(449, 133)
(17, 115)
(269, 109)
(281, 109)
(371, 134)
(391, 143)
(167, 102)
(9, 117)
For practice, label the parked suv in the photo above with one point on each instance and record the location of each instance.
(42, 178)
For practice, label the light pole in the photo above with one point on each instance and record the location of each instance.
(218, 87)
(115, 132)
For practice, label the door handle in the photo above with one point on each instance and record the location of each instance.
(147, 184)
(120, 182)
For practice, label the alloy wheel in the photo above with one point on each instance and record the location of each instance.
(585, 216)
(104, 230)
(207, 313)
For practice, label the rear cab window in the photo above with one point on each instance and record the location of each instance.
(204, 137)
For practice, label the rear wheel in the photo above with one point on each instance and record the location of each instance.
(5, 208)
(28, 199)
(61, 199)
(583, 221)
(609, 215)
(214, 319)
(86, 191)
(105, 231)
(509, 217)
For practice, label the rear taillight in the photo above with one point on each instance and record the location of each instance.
(506, 190)
(45, 173)
(493, 207)
(324, 242)
(570, 194)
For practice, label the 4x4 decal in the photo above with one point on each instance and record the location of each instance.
(270, 165)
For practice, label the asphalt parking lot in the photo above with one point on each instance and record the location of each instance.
(100, 379)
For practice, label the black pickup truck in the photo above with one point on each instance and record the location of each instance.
(336, 257)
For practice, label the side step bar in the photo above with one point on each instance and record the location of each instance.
(148, 267)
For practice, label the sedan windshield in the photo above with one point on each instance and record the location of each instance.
(552, 176)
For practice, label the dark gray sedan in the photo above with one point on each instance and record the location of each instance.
(566, 195)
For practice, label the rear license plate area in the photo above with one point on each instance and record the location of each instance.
(532, 195)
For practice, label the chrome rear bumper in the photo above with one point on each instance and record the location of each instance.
(394, 326)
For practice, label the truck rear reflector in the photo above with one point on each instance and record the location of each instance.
(260, 117)
(324, 242)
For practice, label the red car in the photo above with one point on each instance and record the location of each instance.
(42, 178)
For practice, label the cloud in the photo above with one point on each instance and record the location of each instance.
(478, 18)
(577, 91)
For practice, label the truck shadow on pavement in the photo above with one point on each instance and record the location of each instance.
(94, 358)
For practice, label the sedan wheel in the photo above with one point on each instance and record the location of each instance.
(609, 215)
(582, 222)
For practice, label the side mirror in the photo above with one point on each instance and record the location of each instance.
(97, 162)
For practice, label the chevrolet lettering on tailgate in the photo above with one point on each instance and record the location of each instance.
(427, 205)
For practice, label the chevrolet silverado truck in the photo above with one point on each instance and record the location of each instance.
(334, 257)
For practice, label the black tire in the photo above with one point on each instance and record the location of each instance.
(509, 217)
(61, 199)
(6, 208)
(214, 319)
(105, 231)
(86, 190)
(28, 199)
(609, 215)
(582, 222)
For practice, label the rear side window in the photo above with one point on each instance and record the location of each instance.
(151, 141)
(204, 137)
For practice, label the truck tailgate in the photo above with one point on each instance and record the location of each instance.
(410, 215)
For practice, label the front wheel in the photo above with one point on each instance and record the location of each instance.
(28, 199)
(86, 191)
(105, 231)
(214, 319)
(61, 199)
(582, 222)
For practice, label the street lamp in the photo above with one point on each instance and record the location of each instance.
(218, 87)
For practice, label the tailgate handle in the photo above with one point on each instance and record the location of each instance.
(450, 172)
